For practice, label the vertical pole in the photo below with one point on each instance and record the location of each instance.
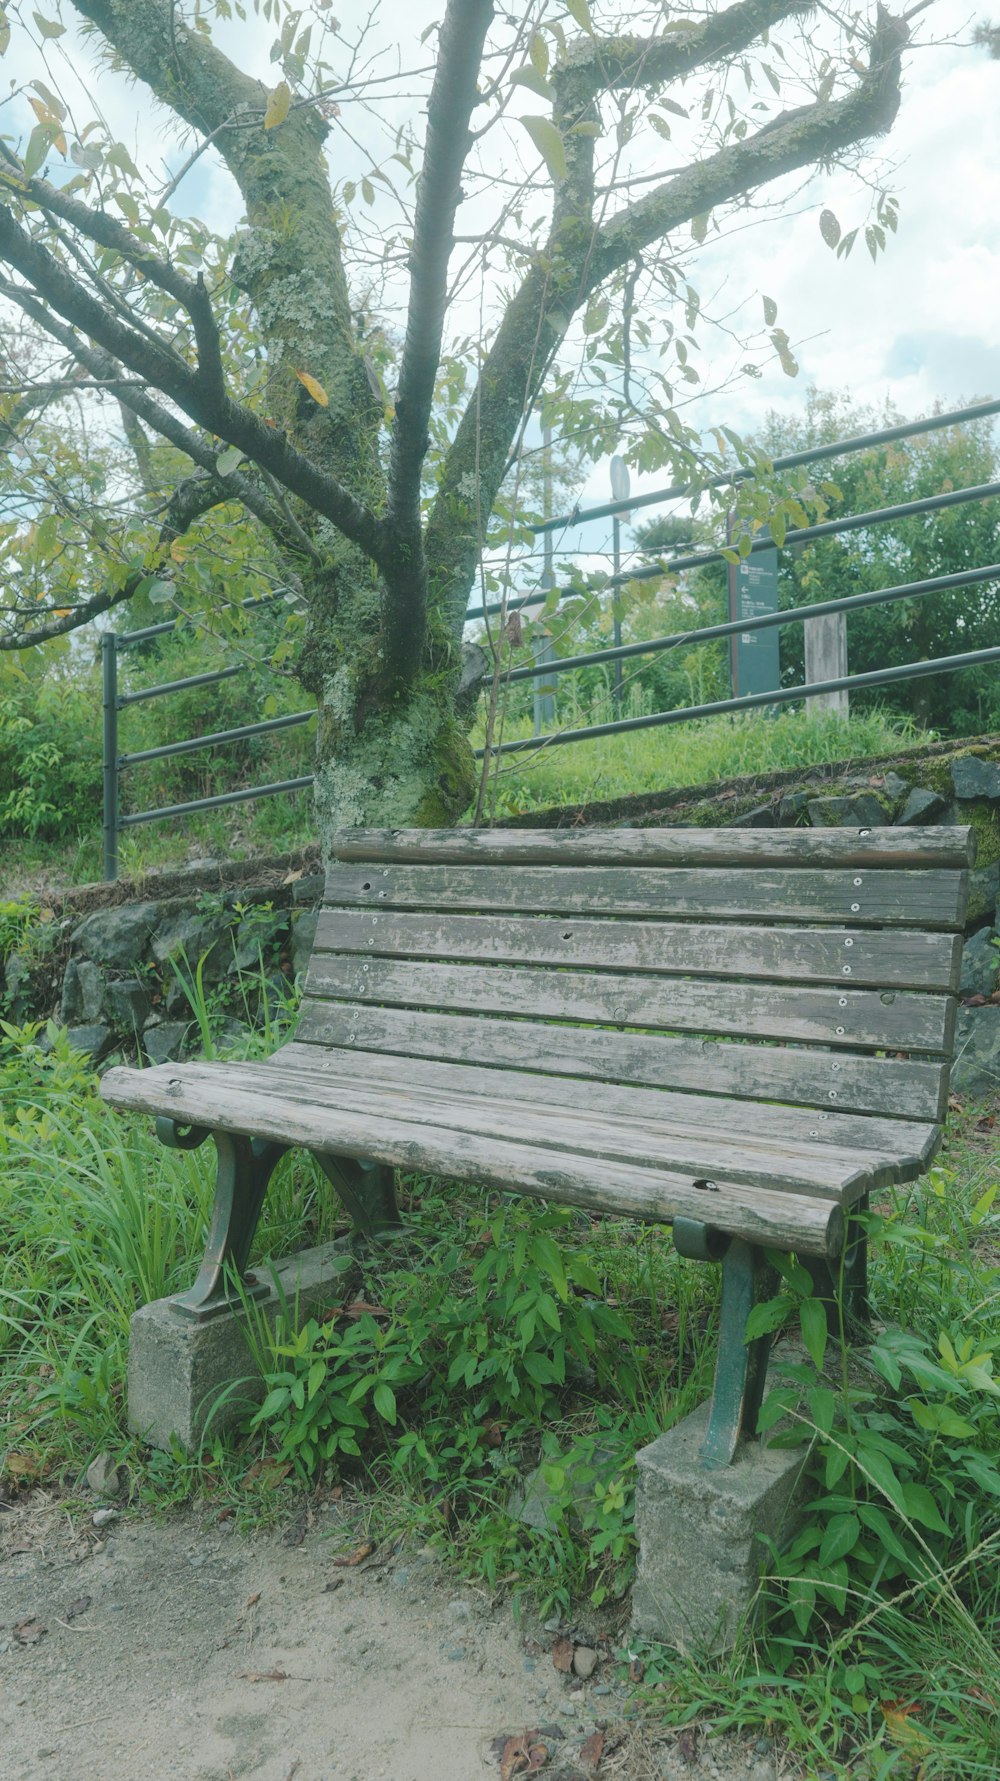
(541, 642)
(616, 533)
(109, 667)
(826, 659)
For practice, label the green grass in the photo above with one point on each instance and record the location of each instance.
(677, 755)
(507, 1334)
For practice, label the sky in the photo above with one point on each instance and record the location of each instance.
(920, 327)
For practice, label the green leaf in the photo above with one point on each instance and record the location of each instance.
(55, 106)
(841, 1536)
(580, 11)
(829, 228)
(549, 144)
(596, 315)
(367, 191)
(770, 1316)
(228, 460)
(920, 1506)
(276, 1400)
(384, 1399)
(39, 143)
(699, 227)
(48, 27)
(535, 82)
(157, 591)
(538, 50)
(770, 311)
(812, 1323)
(317, 1374)
(4, 32)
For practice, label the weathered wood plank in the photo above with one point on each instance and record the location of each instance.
(914, 1090)
(839, 1017)
(785, 1166)
(214, 1095)
(929, 899)
(905, 1144)
(853, 956)
(659, 847)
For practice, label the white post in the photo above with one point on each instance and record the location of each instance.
(826, 659)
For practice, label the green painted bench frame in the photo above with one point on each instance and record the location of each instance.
(741, 1034)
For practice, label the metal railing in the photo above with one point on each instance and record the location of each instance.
(111, 643)
(114, 763)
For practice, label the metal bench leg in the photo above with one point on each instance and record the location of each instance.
(741, 1369)
(243, 1172)
(366, 1190)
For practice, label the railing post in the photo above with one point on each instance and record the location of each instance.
(109, 667)
(826, 659)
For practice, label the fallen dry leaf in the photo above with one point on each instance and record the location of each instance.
(23, 1465)
(337, 1583)
(78, 1607)
(687, 1743)
(523, 1754)
(636, 1670)
(252, 1600)
(562, 1655)
(358, 1556)
(28, 1632)
(262, 1676)
(296, 1530)
(592, 1751)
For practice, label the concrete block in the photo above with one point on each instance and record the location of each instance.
(700, 1554)
(179, 1366)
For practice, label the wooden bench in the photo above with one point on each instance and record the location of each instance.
(740, 1033)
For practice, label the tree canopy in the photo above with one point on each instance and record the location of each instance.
(335, 398)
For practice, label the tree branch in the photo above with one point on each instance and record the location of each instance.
(610, 64)
(453, 96)
(203, 404)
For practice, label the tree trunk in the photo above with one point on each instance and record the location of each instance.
(387, 753)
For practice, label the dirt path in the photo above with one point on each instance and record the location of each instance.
(179, 1650)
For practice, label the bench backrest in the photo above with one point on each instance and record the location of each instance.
(815, 968)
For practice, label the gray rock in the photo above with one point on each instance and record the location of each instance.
(973, 777)
(164, 1042)
(792, 809)
(82, 999)
(760, 818)
(309, 889)
(101, 1517)
(980, 963)
(303, 935)
(188, 935)
(921, 805)
(976, 1070)
(584, 1661)
(894, 787)
(984, 885)
(95, 1039)
(117, 937)
(17, 986)
(860, 810)
(104, 1477)
(128, 1005)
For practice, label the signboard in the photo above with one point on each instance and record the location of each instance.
(753, 590)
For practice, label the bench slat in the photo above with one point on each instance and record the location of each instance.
(215, 1095)
(898, 960)
(908, 1144)
(654, 847)
(914, 1090)
(714, 1150)
(929, 899)
(829, 1016)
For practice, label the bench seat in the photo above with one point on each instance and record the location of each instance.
(741, 1035)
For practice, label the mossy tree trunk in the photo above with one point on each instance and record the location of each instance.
(335, 478)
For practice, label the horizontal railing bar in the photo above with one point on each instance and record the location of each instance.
(195, 742)
(243, 797)
(852, 522)
(815, 454)
(767, 620)
(782, 695)
(171, 624)
(178, 686)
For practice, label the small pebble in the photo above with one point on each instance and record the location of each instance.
(553, 1625)
(529, 1664)
(603, 1688)
(456, 1654)
(101, 1517)
(584, 1661)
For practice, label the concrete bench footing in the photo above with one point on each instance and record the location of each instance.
(180, 1367)
(700, 1554)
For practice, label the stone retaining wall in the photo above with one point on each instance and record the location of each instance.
(105, 960)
